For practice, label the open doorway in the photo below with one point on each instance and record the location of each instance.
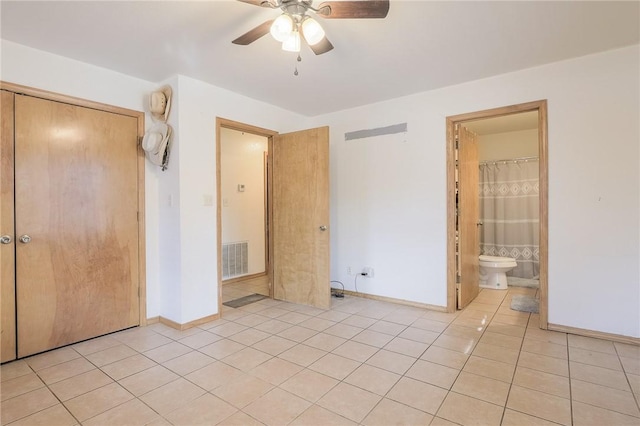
(526, 122)
(296, 217)
(243, 211)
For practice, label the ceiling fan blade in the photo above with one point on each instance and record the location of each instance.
(254, 34)
(323, 46)
(354, 9)
(263, 3)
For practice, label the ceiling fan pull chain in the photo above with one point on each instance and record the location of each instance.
(299, 59)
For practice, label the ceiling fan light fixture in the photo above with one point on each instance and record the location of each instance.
(282, 27)
(292, 43)
(313, 32)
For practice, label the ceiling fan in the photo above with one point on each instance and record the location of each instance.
(295, 24)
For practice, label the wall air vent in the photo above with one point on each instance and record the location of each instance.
(235, 259)
(379, 131)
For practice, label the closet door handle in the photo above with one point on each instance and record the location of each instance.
(25, 239)
(5, 239)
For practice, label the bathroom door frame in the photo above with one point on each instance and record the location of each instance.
(541, 108)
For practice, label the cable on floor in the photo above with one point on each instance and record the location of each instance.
(335, 292)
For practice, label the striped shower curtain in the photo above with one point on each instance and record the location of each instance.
(509, 194)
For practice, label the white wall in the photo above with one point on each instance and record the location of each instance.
(243, 212)
(502, 146)
(389, 193)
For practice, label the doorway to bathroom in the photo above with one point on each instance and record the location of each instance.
(497, 198)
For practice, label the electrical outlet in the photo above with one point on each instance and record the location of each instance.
(348, 270)
(368, 271)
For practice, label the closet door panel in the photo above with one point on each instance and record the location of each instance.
(77, 201)
(7, 248)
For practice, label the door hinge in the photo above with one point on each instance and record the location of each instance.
(138, 216)
(138, 292)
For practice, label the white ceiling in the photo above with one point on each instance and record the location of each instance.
(421, 45)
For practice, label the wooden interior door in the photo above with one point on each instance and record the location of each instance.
(76, 197)
(7, 247)
(468, 214)
(301, 217)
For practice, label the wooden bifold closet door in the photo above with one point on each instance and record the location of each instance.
(76, 223)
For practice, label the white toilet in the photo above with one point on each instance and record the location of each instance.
(493, 271)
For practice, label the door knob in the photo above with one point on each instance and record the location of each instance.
(5, 239)
(25, 239)
(323, 227)
(479, 223)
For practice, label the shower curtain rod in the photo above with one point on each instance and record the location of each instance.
(509, 160)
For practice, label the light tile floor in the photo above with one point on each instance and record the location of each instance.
(236, 290)
(362, 362)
